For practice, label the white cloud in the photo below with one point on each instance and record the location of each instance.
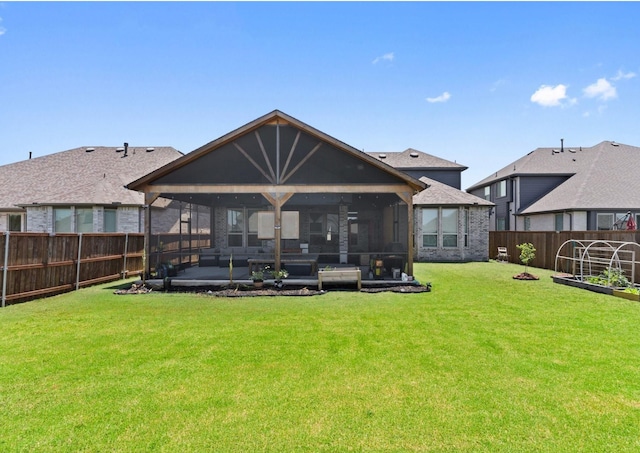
(2, 29)
(550, 96)
(602, 89)
(386, 57)
(497, 84)
(623, 75)
(444, 97)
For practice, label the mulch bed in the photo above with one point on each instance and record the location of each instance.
(525, 276)
(408, 289)
(237, 292)
(136, 288)
(244, 291)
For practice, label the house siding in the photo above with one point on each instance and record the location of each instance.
(449, 177)
(532, 188)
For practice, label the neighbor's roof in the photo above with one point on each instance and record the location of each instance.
(604, 176)
(414, 159)
(86, 175)
(439, 194)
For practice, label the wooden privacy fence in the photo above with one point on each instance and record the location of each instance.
(547, 243)
(40, 264)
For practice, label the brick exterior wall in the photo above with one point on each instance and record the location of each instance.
(477, 249)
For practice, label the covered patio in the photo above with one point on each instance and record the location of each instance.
(285, 195)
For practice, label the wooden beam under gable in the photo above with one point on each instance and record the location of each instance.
(291, 151)
(284, 188)
(254, 163)
(301, 163)
(264, 154)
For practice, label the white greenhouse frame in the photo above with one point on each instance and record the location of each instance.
(587, 258)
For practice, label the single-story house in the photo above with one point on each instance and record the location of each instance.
(566, 189)
(79, 190)
(277, 186)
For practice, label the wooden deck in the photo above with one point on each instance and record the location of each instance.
(219, 276)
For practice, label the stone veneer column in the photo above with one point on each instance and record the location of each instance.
(344, 233)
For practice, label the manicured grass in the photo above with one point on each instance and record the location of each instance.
(482, 363)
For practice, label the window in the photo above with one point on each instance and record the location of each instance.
(527, 223)
(110, 221)
(84, 220)
(235, 227)
(15, 222)
(604, 222)
(449, 227)
(242, 228)
(487, 193)
(62, 220)
(430, 227)
(501, 224)
(502, 189)
(559, 222)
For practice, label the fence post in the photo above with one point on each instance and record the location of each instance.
(4, 269)
(124, 261)
(78, 264)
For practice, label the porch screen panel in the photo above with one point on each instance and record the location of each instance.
(252, 228)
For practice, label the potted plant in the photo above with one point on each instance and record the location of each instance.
(278, 276)
(258, 278)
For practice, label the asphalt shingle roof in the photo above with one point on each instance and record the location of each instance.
(412, 158)
(604, 176)
(80, 177)
(439, 194)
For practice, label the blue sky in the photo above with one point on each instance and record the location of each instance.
(478, 83)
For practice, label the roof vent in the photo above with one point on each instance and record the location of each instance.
(614, 144)
(571, 150)
(151, 149)
(414, 154)
(90, 150)
(382, 156)
(119, 150)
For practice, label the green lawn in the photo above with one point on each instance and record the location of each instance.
(481, 363)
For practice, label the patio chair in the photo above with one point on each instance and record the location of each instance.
(503, 255)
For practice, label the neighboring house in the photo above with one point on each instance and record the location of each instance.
(418, 164)
(277, 186)
(565, 188)
(80, 190)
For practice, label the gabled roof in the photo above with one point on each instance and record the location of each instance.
(232, 145)
(413, 159)
(87, 175)
(439, 194)
(604, 176)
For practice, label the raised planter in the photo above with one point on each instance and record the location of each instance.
(339, 276)
(626, 295)
(571, 281)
